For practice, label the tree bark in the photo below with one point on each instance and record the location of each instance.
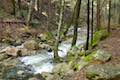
(70, 22)
(14, 7)
(98, 15)
(88, 25)
(56, 57)
(92, 21)
(29, 13)
(109, 16)
(19, 4)
(77, 14)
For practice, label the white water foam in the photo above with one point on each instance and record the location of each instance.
(43, 62)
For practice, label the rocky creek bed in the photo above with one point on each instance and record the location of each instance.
(24, 62)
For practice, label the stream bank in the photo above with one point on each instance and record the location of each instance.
(32, 57)
(39, 65)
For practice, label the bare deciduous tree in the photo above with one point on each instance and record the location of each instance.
(58, 31)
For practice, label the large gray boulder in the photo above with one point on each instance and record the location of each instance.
(103, 72)
(20, 73)
(102, 55)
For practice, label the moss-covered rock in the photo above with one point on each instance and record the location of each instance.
(3, 56)
(46, 37)
(99, 35)
(78, 62)
(61, 68)
(102, 55)
(103, 72)
(31, 45)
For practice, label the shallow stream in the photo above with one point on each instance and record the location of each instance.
(43, 62)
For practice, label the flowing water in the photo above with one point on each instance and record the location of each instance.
(43, 62)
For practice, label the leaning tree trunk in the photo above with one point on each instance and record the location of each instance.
(58, 31)
(76, 18)
(88, 24)
(70, 22)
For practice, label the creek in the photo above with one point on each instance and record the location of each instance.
(43, 62)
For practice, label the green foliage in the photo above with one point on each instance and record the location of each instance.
(99, 35)
(85, 60)
(89, 57)
(73, 54)
(77, 58)
(48, 37)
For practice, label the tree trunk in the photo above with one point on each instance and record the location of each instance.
(109, 16)
(19, 6)
(29, 13)
(58, 31)
(77, 14)
(71, 21)
(88, 25)
(38, 5)
(92, 22)
(98, 15)
(14, 7)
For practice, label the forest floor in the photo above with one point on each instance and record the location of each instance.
(112, 43)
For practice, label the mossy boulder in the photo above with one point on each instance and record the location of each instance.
(3, 56)
(103, 72)
(99, 35)
(78, 62)
(31, 45)
(102, 55)
(46, 37)
(59, 69)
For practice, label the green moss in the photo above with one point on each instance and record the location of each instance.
(89, 57)
(99, 35)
